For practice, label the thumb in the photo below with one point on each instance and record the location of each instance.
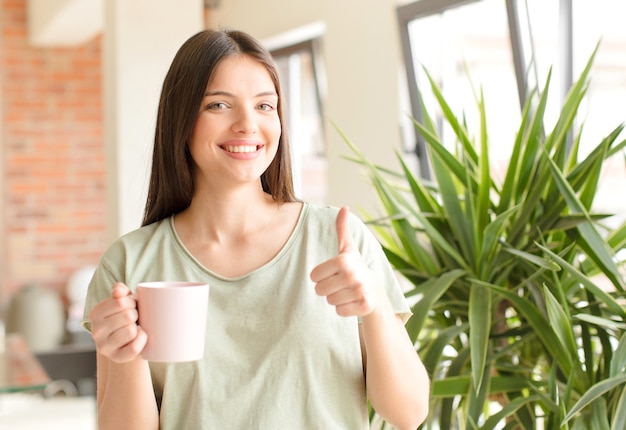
(344, 237)
(120, 290)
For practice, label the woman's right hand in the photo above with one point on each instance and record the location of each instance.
(114, 326)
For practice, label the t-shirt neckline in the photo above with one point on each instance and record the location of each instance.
(293, 237)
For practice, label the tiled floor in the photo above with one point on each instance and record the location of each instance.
(32, 412)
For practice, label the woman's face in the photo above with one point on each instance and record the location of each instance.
(238, 129)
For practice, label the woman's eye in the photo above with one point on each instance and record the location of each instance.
(266, 107)
(216, 106)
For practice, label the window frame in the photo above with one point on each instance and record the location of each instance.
(522, 63)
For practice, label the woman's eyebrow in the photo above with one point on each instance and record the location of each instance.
(228, 94)
(218, 93)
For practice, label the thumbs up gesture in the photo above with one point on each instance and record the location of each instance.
(345, 280)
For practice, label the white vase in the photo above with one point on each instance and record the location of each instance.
(38, 315)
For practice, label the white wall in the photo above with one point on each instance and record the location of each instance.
(140, 40)
(361, 54)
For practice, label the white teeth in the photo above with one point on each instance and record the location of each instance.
(240, 148)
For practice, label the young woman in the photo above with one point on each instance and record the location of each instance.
(305, 314)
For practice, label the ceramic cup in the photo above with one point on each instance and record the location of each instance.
(173, 315)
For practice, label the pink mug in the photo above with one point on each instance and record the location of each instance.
(173, 315)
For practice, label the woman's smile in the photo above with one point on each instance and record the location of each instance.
(240, 148)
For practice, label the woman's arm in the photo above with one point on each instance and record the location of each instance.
(397, 383)
(124, 392)
(125, 397)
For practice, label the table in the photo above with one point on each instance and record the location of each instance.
(19, 368)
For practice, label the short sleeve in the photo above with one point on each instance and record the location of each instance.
(377, 261)
(99, 289)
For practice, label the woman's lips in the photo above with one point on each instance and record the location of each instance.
(241, 148)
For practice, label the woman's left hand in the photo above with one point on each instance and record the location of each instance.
(345, 280)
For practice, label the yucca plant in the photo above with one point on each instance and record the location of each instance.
(512, 315)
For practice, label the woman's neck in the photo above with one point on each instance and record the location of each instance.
(219, 216)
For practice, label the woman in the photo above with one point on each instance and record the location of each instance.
(304, 307)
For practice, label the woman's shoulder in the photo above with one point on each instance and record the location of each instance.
(139, 239)
(326, 213)
(324, 217)
(320, 212)
(147, 231)
(318, 217)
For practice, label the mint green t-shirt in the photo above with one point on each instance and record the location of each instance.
(277, 355)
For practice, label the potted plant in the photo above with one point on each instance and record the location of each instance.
(510, 316)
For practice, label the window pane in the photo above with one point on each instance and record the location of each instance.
(473, 42)
(465, 46)
(605, 106)
(305, 125)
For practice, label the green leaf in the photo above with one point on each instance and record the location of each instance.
(541, 326)
(600, 322)
(595, 417)
(534, 259)
(507, 196)
(437, 147)
(423, 200)
(483, 203)
(618, 363)
(477, 397)
(459, 385)
(480, 326)
(560, 323)
(605, 298)
(593, 393)
(508, 410)
(457, 218)
(619, 418)
(432, 354)
(597, 248)
(532, 137)
(435, 288)
(599, 415)
(452, 120)
(617, 237)
(490, 242)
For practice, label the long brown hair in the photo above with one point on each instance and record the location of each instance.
(172, 175)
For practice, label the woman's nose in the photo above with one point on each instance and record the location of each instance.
(245, 122)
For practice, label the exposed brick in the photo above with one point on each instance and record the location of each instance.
(54, 185)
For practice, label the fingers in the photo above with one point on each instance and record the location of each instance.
(115, 311)
(327, 269)
(352, 301)
(344, 237)
(350, 289)
(345, 280)
(114, 326)
(132, 349)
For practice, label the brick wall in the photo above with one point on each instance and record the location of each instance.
(53, 161)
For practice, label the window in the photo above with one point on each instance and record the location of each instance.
(507, 48)
(451, 46)
(299, 73)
